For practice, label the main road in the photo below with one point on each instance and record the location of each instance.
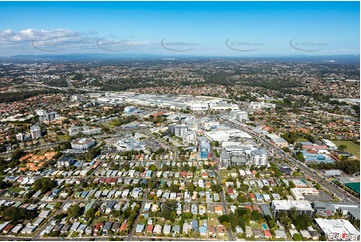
(223, 200)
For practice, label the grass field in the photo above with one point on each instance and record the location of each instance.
(351, 147)
(301, 140)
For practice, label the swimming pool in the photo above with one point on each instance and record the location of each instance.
(264, 226)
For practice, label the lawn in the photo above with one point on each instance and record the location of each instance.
(301, 140)
(213, 222)
(64, 137)
(102, 218)
(351, 147)
(108, 125)
(224, 174)
(254, 225)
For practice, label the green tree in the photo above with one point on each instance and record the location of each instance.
(224, 218)
(44, 184)
(302, 222)
(74, 211)
(323, 238)
(297, 237)
(227, 225)
(216, 188)
(342, 147)
(90, 213)
(168, 210)
(293, 214)
(292, 185)
(152, 167)
(284, 219)
(16, 214)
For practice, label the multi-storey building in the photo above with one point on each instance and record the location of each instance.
(338, 229)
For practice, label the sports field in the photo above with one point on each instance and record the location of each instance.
(351, 147)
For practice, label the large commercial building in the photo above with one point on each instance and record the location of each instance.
(82, 143)
(338, 229)
(45, 116)
(330, 208)
(277, 140)
(204, 148)
(224, 158)
(259, 157)
(298, 193)
(65, 161)
(223, 106)
(301, 206)
(260, 105)
(182, 131)
(19, 136)
(239, 115)
(178, 129)
(74, 130)
(35, 132)
(198, 106)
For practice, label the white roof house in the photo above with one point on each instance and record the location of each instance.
(302, 206)
(338, 229)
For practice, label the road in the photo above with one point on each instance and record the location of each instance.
(39, 147)
(37, 234)
(318, 177)
(223, 200)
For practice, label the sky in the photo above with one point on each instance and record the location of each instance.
(180, 28)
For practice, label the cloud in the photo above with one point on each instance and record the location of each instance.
(64, 39)
(44, 40)
(115, 44)
(27, 35)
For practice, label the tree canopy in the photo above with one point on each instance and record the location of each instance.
(44, 184)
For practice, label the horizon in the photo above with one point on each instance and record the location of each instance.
(186, 29)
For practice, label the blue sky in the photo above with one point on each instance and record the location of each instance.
(186, 28)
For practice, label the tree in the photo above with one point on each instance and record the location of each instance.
(284, 219)
(323, 238)
(227, 225)
(224, 218)
(293, 213)
(297, 237)
(342, 147)
(292, 185)
(152, 167)
(302, 222)
(255, 215)
(90, 213)
(299, 156)
(4, 184)
(186, 215)
(339, 213)
(216, 188)
(74, 211)
(265, 188)
(54, 234)
(16, 214)
(271, 222)
(241, 198)
(278, 173)
(168, 210)
(244, 187)
(191, 187)
(44, 184)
